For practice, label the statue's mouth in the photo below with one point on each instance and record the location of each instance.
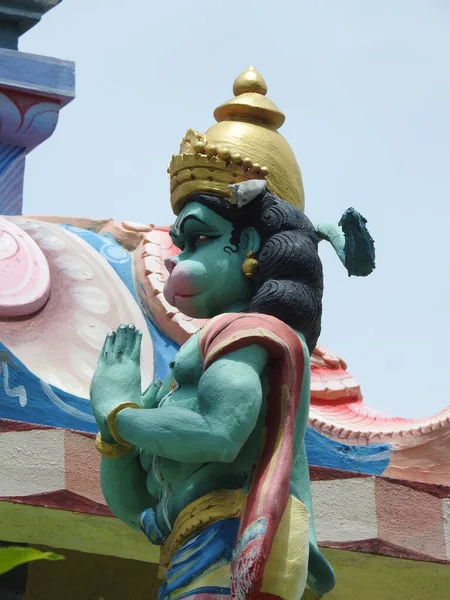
(185, 295)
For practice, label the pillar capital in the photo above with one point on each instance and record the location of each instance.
(33, 89)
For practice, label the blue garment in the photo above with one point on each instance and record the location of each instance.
(147, 521)
(209, 549)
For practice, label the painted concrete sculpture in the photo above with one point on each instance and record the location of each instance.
(211, 461)
(379, 484)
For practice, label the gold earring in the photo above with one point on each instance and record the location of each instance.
(250, 265)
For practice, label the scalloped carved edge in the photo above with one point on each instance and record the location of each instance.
(370, 427)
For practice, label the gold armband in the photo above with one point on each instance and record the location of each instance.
(111, 421)
(110, 450)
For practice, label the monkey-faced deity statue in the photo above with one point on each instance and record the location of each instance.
(210, 462)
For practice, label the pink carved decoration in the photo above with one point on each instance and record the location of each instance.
(24, 273)
(61, 343)
(128, 233)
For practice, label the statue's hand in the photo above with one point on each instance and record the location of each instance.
(118, 375)
(149, 397)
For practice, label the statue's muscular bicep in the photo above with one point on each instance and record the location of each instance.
(230, 394)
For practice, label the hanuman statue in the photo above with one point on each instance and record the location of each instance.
(210, 463)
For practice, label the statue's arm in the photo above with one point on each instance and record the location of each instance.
(124, 487)
(123, 479)
(230, 397)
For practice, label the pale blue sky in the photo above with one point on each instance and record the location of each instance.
(366, 92)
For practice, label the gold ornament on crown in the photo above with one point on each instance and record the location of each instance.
(243, 145)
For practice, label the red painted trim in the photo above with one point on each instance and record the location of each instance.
(62, 500)
(434, 489)
(328, 474)
(10, 425)
(376, 546)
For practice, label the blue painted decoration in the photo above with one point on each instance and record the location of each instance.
(25, 397)
(12, 168)
(164, 349)
(323, 452)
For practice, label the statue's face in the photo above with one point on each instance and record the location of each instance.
(206, 278)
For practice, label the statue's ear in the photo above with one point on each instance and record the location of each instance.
(244, 193)
(250, 240)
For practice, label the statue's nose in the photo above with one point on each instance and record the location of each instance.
(170, 264)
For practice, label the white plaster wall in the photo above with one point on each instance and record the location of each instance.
(344, 509)
(31, 462)
(446, 509)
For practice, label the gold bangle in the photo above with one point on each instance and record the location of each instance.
(110, 450)
(111, 421)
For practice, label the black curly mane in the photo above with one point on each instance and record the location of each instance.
(289, 284)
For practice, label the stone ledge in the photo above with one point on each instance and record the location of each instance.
(40, 75)
(73, 531)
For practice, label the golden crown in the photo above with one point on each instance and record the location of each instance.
(243, 145)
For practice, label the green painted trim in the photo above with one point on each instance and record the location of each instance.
(359, 576)
(36, 525)
(370, 577)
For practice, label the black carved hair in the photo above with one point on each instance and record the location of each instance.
(289, 283)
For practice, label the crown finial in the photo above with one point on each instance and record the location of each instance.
(250, 103)
(250, 81)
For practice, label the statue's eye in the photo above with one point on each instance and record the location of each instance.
(199, 239)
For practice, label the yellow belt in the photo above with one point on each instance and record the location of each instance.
(213, 507)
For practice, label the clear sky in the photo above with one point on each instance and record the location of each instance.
(366, 92)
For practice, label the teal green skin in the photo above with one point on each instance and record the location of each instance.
(204, 434)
